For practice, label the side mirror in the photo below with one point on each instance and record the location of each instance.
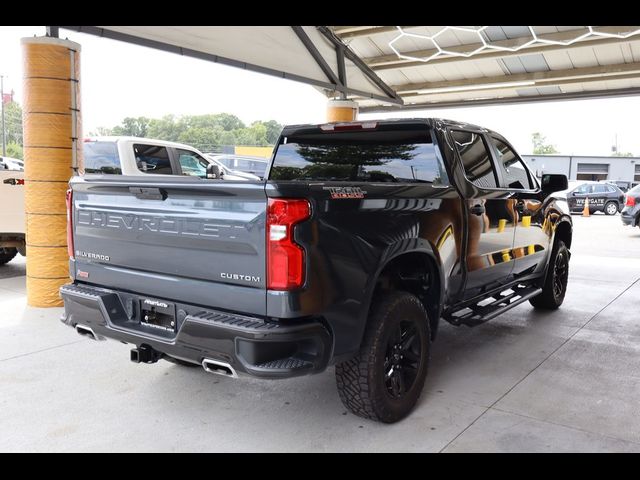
(554, 183)
(213, 171)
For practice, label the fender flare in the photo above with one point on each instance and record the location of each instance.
(394, 251)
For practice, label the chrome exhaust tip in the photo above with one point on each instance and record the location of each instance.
(219, 368)
(85, 331)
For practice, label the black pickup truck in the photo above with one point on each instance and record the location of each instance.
(362, 237)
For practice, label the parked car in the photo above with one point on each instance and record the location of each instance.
(104, 155)
(603, 197)
(622, 185)
(631, 213)
(12, 222)
(253, 165)
(8, 163)
(144, 156)
(361, 239)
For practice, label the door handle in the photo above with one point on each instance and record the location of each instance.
(478, 210)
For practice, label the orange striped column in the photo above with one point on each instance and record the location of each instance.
(52, 126)
(342, 111)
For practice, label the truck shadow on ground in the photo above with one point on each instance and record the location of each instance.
(465, 368)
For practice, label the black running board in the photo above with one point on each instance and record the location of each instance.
(506, 300)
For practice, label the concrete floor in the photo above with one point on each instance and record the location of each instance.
(526, 381)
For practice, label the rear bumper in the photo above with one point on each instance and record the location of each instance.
(628, 219)
(248, 344)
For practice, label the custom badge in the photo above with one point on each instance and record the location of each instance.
(345, 192)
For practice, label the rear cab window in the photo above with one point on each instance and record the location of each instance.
(101, 157)
(388, 153)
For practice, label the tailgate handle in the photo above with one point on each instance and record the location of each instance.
(148, 193)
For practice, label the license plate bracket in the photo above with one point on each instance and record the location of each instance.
(158, 314)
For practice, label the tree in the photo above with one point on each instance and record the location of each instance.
(14, 150)
(133, 127)
(203, 138)
(101, 132)
(273, 131)
(165, 128)
(540, 147)
(622, 154)
(13, 122)
(228, 121)
(206, 132)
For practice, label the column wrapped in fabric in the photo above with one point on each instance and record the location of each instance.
(52, 153)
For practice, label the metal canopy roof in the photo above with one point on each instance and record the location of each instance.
(387, 67)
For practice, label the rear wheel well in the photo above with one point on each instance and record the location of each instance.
(564, 233)
(417, 274)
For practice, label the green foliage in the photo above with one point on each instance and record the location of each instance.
(165, 128)
(14, 150)
(273, 131)
(622, 154)
(206, 138)
(100, 132)
(205, 132)
(13, 123)
(540, 147)
(132, 127)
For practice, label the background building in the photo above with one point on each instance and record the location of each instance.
(624, 171)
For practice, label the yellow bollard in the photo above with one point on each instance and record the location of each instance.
(531, 249)
(506, 256)
(502, 223)
(52, 127)
(526, 221)
(342, 111)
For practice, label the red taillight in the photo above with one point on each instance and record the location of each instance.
(70, 249)
(285, 258)
(631, 201)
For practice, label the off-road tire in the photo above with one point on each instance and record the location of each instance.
(364, 384)
(555, 284)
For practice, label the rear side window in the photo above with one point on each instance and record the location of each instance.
(585, 188)
(476, 158)
(101, 157)
(153, 159)
(384, 155)
(515, 173)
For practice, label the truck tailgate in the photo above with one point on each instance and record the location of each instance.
(181, 239)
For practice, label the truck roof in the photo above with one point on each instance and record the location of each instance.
(150, 141)
(431, 121)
